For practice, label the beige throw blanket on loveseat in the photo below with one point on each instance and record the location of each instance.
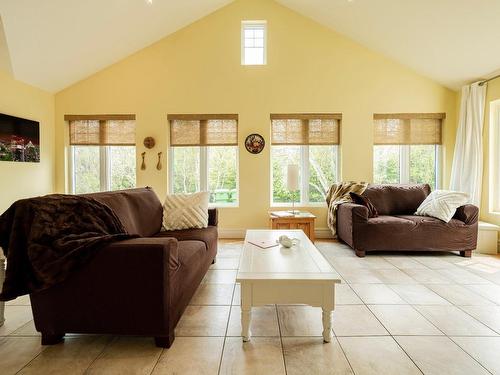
(338, 194)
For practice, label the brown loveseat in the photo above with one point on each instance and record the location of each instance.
(397, 228)
(139, 286)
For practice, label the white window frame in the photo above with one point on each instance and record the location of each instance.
(245, 25)
(204, 174)
(494, 155)
(304, 181)
(404, 164)
(104, 168)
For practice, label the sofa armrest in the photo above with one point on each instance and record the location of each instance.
(348, 215)
(213, 217)
(468, 213)
(353, 212)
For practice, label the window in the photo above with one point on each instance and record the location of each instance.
(102, 153)
(253, 42)
(204, 156)
(407, 148)
(494, 166)
(311, 141)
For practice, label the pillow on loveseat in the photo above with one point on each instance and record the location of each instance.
(185, 211)
(442, 204)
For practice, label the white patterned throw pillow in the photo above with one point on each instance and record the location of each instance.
(442, 204)
(185, 211)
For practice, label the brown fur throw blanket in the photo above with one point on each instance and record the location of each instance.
(338, 194)
(45, 239)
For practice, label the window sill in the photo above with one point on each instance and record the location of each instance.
(224, 205)
(298, 205)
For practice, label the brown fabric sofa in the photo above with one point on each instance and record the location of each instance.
(397, 228)
(139, 286)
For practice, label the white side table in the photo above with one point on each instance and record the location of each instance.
(487, 239)
(2, 278)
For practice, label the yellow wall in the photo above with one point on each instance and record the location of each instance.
(310, 69)
(20, 180)
(492, 94)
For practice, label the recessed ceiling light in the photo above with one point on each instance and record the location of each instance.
(150, 2)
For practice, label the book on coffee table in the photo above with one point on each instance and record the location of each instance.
(264, 244)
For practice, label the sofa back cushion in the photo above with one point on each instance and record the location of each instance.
(397, 199)
(139, 210)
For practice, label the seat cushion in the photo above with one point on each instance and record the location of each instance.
(207, 235)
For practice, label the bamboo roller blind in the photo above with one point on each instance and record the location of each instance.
(305, 129)
(203, 130)
(101, 130)
(408, 128)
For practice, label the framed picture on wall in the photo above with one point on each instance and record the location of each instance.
(19, 139)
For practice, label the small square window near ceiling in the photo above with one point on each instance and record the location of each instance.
(253, 42)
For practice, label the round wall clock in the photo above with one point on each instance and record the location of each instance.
(255, 143)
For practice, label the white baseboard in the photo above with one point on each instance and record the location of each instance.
(240, 233)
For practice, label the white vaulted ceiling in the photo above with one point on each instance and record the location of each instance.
(55, 43)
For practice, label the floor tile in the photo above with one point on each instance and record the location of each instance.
(459, 295)
(191, 355)
(220, 277)
(73, 356)
(356, 320)
(376, 355)
(264, 321)
(310, 355)
(394, 276)
(20, 301)
(229, 252)
(435, 262)
(488, 315)
(418, 295)
(203, 321)
(127, 355)
(489, 291)
(344, 295)
(405, 262)
(225, 264)
(26, 330)
(438, 355)
(17, 352)
(403, 320)
(427, 276)
(377, 294)
(237, 295)
(213, 294)
(261, 355)
(15, 318)
(453, 321)
(299, 320)
(462, 276)
(360, 276)
(485, 350)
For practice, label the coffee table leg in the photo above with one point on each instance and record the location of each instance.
(327, 325)
(328, 306)
(246, 312)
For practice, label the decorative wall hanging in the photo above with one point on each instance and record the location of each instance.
(149, 142)
(143, 165)
(19, 139)
(255, 143)
(158, 166)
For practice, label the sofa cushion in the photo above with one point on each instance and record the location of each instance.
(186, 211)
(397, 199)
(139, 210)
(191, 253)
(442, 204)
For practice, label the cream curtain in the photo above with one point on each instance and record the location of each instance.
(467, 168)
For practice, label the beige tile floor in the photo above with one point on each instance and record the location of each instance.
(396, 314)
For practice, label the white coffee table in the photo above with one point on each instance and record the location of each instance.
(277, 275)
